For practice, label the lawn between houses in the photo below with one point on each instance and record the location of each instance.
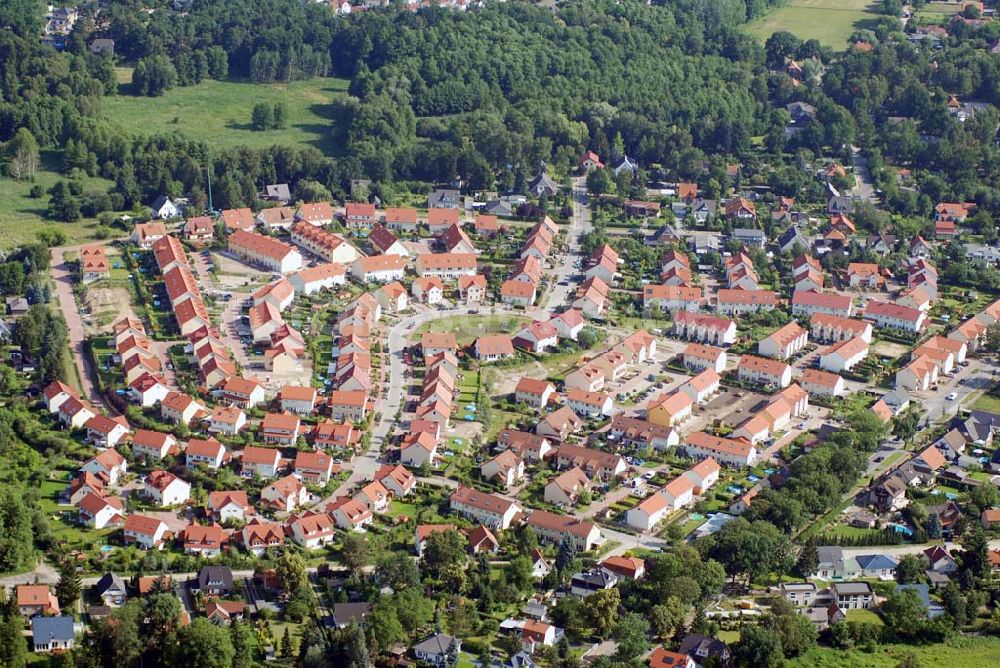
(467, 328)
(829, 21)
(218, 112)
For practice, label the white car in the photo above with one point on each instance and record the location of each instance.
(952, 396)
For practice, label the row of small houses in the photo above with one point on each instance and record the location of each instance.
(91, 490)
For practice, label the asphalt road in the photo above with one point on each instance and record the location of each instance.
(559, 295)
(62, 277)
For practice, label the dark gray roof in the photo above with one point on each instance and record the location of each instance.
(345, 613)
(439, 643)
(214, 575)
(697, 645)
(498, 207)
(160, 201)
(278, 191)
(543, 182)
(852, 588)
(830, 554)
(840, 203)
(110, 581)
(789, 237)
(48, 629)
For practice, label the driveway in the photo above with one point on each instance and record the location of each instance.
(864, 187)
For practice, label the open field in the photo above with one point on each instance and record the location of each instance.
(829, 21)
(21, 217)
(937, 12)
(219, 112)
(958, 652)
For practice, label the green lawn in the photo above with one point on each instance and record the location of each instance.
(988, 402)
(468, 328)
(21, 217)
(864, 616)
(219, 112)
(962, 651)
(829, 21)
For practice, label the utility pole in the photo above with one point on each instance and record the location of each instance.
(208, 171)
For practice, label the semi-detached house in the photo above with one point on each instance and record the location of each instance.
(589, 404)
(698, 356)
(378, 268)
(534, 393)
(702, 387)
(494, 512)
(822, 383)
(920, 374)
(786, 342)
(845, 355)
(726, 451)
(553, 528)
(764, 371)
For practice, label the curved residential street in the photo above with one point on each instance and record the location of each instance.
(365, 465)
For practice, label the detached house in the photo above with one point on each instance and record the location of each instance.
(209, 452)
(286, 494)
(312, 530)
(263, 462)
(314, 467)
(97, 511)
(537, 337)
(559, 424)
(507, 468)
(165, 489)
(230, 506)
(105, 432)
(227, 420)
(534, 393)
(493, 348)
(180, 408)
(108, 466)
(146, 532)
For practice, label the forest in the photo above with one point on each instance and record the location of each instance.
(490, 94)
